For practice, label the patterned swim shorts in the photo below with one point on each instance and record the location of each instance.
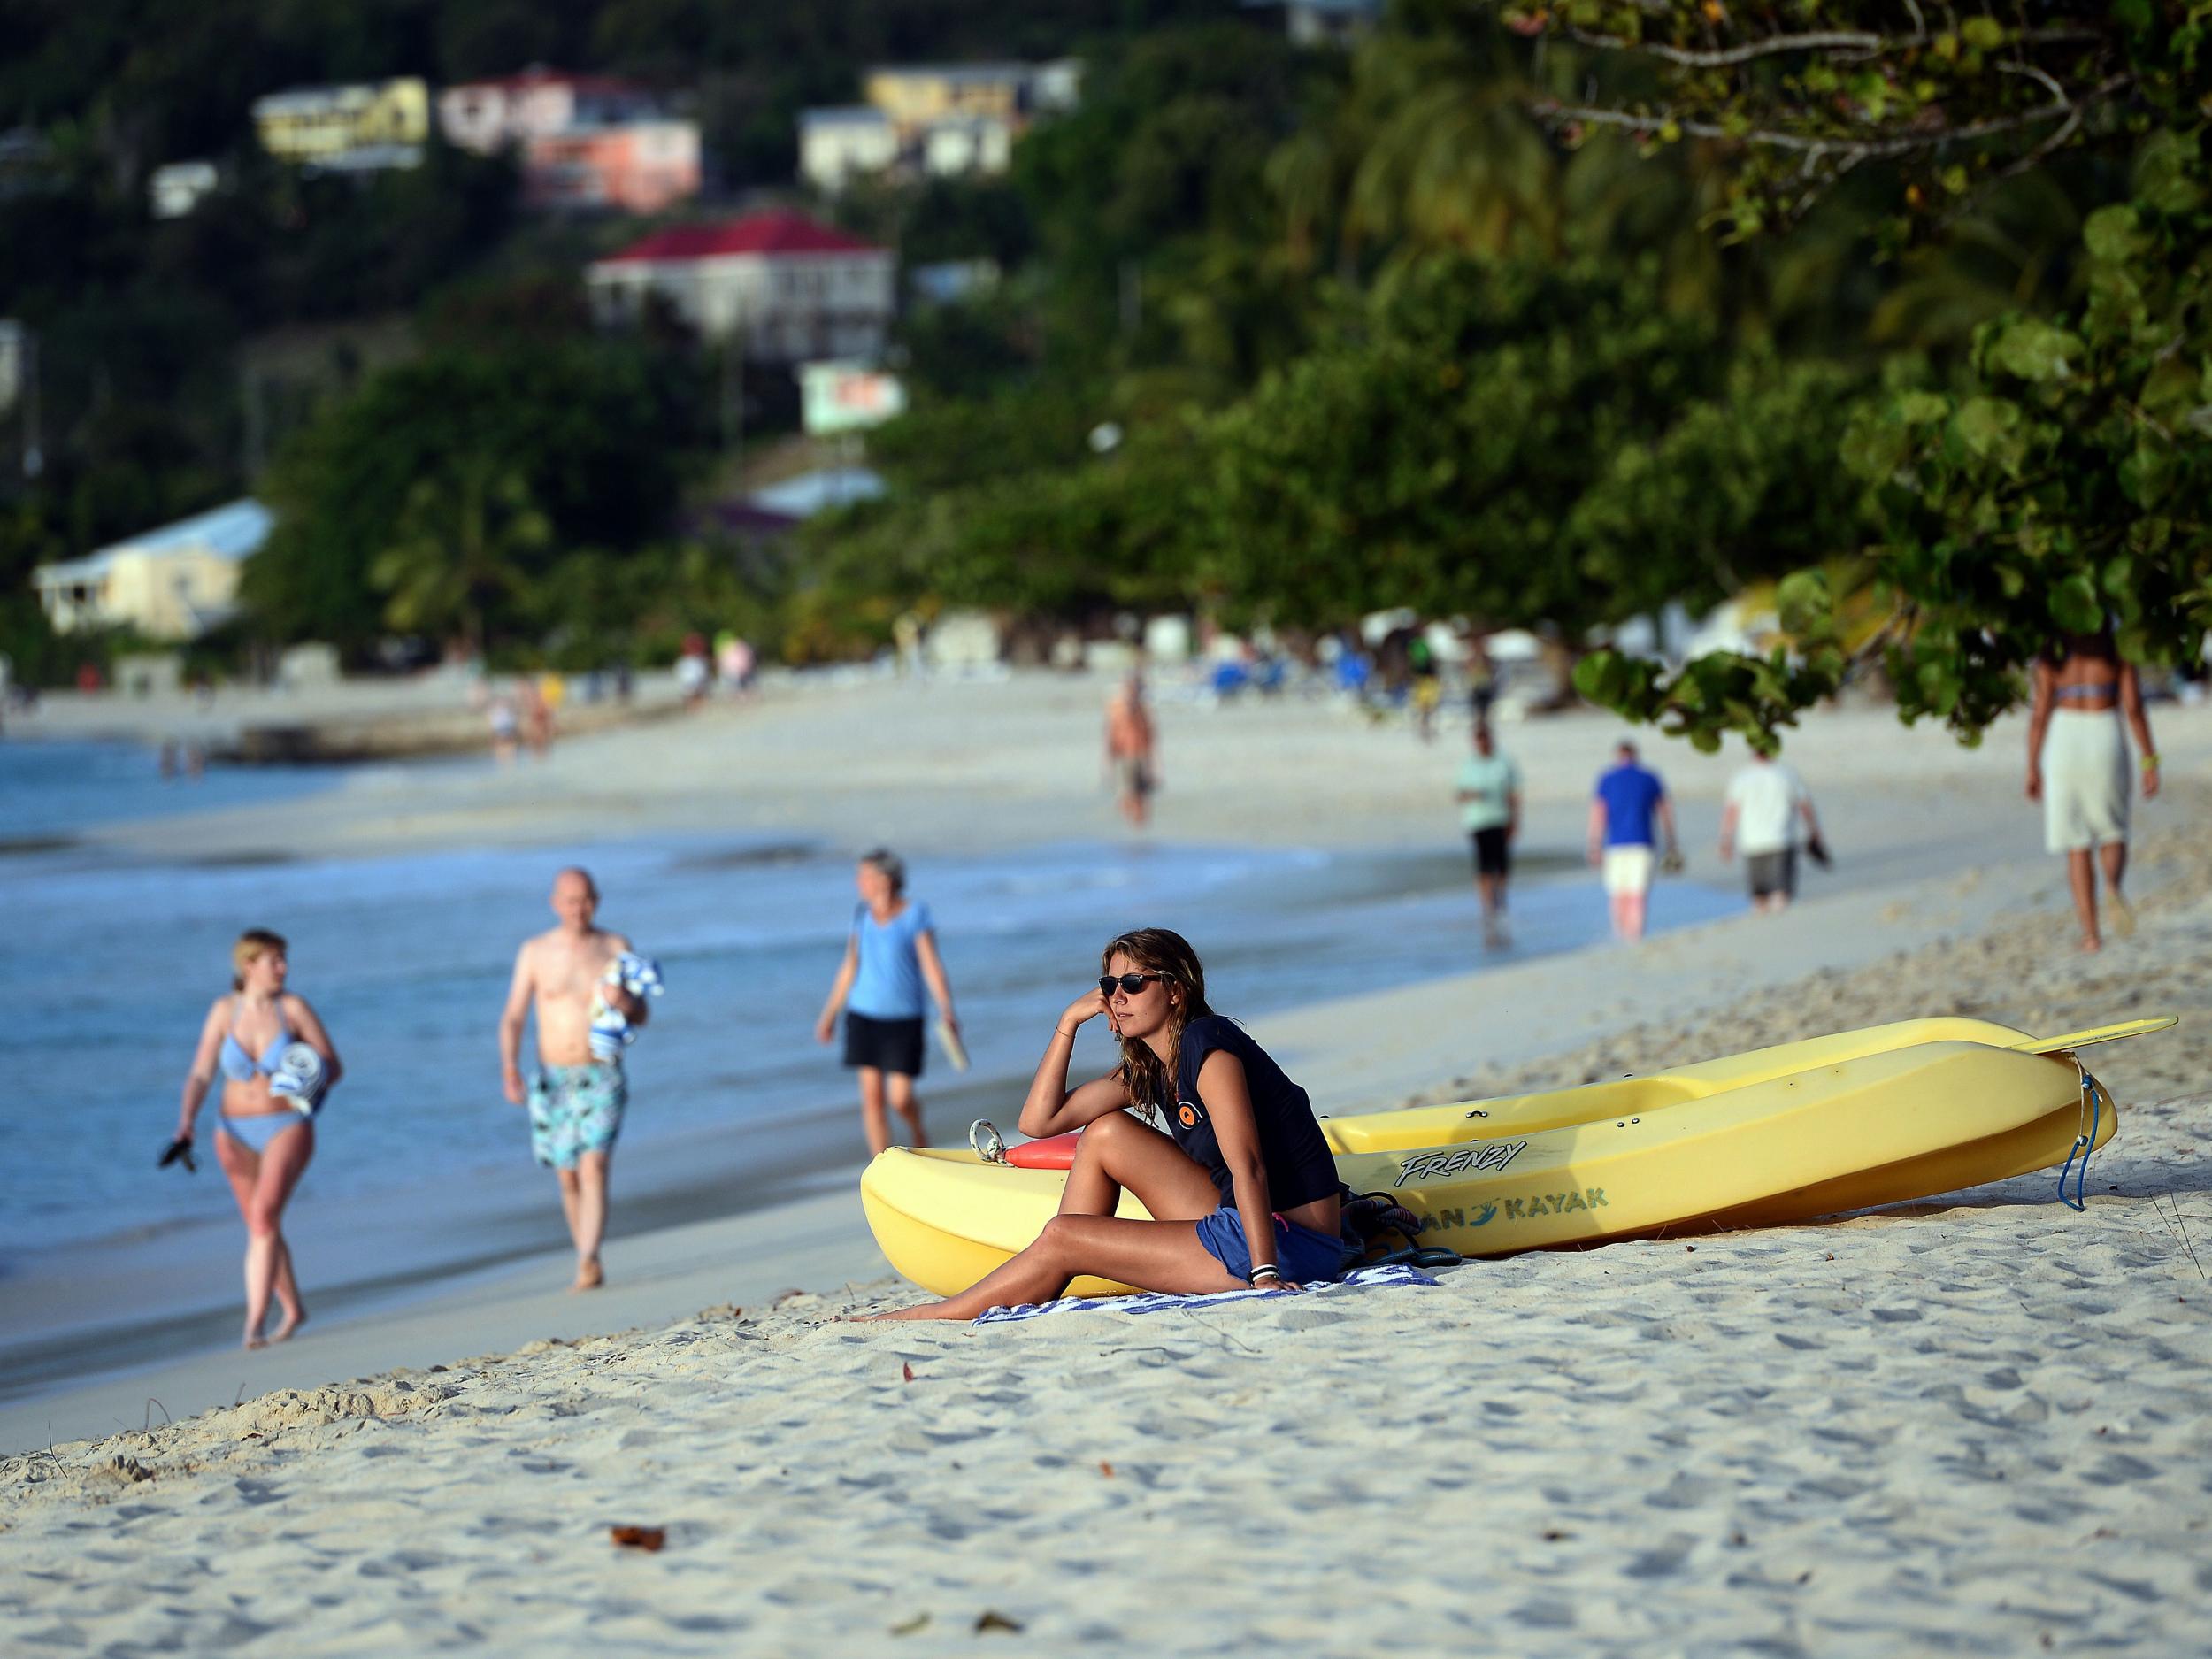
(575, 1110)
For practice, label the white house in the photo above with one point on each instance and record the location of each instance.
(835, 145)
(1056, 88)
(789, 289)
(1323, 22)
(175, 583)
(982, 143)
(173, 191)
(943, 120)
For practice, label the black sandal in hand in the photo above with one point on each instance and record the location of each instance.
(180, 1148)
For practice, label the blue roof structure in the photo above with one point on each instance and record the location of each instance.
(232, 531)
(810, 493)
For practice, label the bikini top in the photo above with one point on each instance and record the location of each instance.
(240, 1067)
(2084, 690)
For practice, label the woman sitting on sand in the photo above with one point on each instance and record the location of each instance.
(263, 1140)
(1242, 1158)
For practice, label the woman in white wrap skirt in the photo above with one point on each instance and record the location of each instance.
(2077, 767)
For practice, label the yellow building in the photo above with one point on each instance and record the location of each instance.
(371, 124)
(175, 583)
(924, 94)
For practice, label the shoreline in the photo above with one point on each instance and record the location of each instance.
(423, 715)
(1914, 868)
(1407, 1045)
(1976, 1421)
(854, 762)
(1971, 1421)
(122, 1302)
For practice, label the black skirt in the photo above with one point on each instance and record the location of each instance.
(888, 1045)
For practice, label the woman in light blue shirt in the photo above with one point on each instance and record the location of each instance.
(890, 953)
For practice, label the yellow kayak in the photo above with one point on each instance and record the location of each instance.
(1861, 1119)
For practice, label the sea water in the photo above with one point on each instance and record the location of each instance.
(110, 966)
(48, 792)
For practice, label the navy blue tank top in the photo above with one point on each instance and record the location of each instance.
(1299, 1167)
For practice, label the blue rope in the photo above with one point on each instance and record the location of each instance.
(2084, 1145)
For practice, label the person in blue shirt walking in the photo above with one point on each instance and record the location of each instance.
(1629, 800)
(890, 952)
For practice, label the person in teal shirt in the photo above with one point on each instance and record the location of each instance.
(890, 956)
(1490, 812)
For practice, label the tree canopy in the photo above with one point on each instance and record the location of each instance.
(1549, 313)
(2054, 484)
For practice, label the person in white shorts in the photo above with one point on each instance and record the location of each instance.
(1629, 802)
(1764, 802)
(2077, 767)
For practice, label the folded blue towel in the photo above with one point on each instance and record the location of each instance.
(299, 1079)
(1160, 1301)
(611, 1028)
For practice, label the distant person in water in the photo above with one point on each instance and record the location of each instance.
(1131, 749)
(889, 955)
(1489, 797)
(1766, 802)
(1628, 805)
(576, 1100)
(264, 1136)
(2077, 767)
(1240, 1184)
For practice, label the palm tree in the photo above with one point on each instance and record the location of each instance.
(465, 543)
(1430, 150)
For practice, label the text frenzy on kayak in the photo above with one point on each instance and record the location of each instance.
(1490, 1155)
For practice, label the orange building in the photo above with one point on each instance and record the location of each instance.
(638, 167)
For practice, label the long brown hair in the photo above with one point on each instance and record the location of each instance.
(1152, 1085)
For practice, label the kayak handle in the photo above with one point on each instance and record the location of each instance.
(2093, 1099)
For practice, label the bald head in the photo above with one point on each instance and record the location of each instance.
(575, 898)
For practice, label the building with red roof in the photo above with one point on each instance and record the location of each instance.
(792, 289)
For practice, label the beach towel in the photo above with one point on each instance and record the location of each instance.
(611, 1028)
(299, 1080)
(1161, 1301)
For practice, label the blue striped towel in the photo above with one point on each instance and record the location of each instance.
(1161, 1301)
(610, 1029)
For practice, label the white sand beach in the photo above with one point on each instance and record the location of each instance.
(1974, 1424)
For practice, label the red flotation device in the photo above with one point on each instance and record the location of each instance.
(1054, 1152)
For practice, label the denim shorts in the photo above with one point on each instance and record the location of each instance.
(1306, 1257)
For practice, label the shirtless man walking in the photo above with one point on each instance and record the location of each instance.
(575, 1100)
(1129, 748)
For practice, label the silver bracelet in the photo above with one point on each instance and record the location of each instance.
(1265, 1270)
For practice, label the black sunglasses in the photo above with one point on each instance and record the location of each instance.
(1130, 984)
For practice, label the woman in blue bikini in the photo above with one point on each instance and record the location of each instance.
(1240, 1184)
(262, 1139)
